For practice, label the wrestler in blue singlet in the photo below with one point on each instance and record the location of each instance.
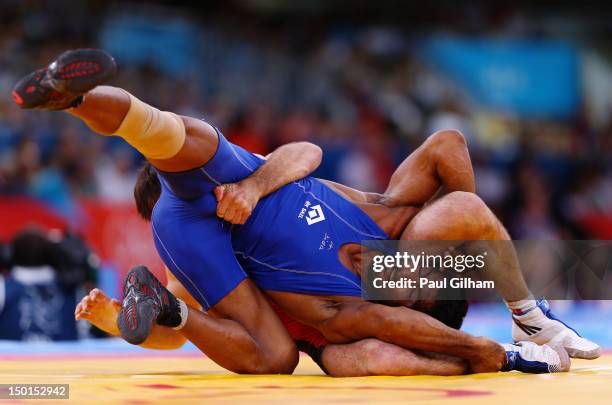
(289, 243)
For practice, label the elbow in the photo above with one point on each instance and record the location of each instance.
(315, 156)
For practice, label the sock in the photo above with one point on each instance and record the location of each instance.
(521, 307)
(184, 313)
(170, 313)
(525, 310)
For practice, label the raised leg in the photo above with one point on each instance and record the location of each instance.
(461, 216)
(170, 142)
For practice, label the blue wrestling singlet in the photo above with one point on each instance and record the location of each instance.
(289, 243)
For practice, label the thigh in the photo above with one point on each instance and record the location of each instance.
(455, 216)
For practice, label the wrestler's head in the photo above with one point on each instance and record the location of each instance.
(449, 312)
(146, 191)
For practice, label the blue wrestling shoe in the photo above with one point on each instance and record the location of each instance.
(530, 358)
(539, 325)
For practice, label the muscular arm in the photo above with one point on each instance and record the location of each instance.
(288, 163)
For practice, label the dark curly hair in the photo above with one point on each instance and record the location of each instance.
(146, 190)
(449, 312)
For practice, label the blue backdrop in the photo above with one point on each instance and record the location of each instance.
(534, 78)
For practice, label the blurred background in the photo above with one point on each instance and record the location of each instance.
(530, 86)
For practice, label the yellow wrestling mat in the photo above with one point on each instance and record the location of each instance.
(192, 379)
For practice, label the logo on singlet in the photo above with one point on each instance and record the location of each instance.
(313, 215)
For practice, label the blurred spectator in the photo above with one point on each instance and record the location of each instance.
(5, 258)
(362, 90)
(115, 176)
(38, 294)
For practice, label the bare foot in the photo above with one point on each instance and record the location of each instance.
(100, 310)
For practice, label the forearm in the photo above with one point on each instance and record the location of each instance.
(288, 163)
(402, 326)
(375, 357)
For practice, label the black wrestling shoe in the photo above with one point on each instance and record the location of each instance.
(62, 84)
(146, 302)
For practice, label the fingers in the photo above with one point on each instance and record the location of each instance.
(222, 206)
(233, 205)
(243, 218)
(224, 201)
(237, 212)
(219, 192)
(232, 213)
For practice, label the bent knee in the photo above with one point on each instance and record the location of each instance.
(286, 360)
(282, 362)
(473, 207)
